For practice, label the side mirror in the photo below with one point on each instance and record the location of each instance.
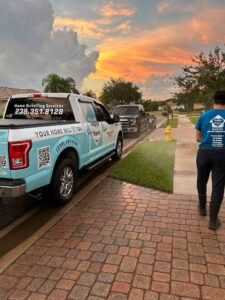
(142, 113)
(116, 118)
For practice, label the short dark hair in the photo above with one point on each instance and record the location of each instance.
(219, 97)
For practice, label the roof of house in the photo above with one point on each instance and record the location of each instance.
(6, 92)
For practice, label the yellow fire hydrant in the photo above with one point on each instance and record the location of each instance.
(168, 134)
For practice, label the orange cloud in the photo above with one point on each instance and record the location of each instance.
(146, 53)
(164, 6)
(207, 26)
(117, 9)
(124, 26)
(137, 58)
(136, 65)
(94, 29)
(161, 50)
(82, 27)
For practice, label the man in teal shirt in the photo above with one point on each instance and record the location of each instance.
(210, 132)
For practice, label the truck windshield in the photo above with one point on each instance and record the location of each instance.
(43, 108)
(125, 110)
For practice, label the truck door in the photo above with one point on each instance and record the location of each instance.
(108, 130)
(93, 130)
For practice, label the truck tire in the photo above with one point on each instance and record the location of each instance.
(63, 182)
(119, 148)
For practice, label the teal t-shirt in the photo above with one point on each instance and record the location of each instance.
(212, 126)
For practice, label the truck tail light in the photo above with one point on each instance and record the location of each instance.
(19, 154)
(37, 95)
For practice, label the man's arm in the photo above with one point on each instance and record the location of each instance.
(198, 135)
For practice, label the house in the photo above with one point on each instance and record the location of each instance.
(6, 92)
(173, 104)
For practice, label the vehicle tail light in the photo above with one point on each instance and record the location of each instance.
(37, 95)
(19, 154)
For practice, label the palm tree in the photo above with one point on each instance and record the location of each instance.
(53, 83)
(90, 93)
(71, 85)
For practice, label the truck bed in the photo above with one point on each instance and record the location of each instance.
(24, 123)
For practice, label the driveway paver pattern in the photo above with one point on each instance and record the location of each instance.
(123, 241)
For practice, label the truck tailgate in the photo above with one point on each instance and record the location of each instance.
(4, 160)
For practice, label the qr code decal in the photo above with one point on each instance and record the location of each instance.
(44, 158)
(3, 161)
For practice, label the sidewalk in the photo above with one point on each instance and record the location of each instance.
(124, 241)
(185, 172)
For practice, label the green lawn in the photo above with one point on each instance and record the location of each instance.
(194, 112)
(193, 119)
(193, 116)
(150, 164)
(172, 122)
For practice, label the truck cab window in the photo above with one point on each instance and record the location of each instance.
(88, 111)
(43, 108)
(101, 113)
(125, 110)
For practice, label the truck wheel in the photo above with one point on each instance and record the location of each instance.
(63, 182)
(119, 148)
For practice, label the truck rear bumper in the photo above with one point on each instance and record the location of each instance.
(10, 188)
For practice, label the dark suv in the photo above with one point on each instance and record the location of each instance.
(132, 117)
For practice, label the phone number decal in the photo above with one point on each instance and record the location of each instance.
(39, 111)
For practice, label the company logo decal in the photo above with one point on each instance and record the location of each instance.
(217, 122)
(96, 132)
(217, 131)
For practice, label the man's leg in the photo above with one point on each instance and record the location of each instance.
(218, 183)
(204, 166)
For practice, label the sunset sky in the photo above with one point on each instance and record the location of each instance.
(144, 41)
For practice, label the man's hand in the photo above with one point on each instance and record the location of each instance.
(198, 136)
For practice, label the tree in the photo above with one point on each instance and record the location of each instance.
(90, 93)
(56, 84)
(118, 91)
(70, 85)
(150, 105)
(200, 81)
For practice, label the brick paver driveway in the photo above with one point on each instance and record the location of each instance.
(123, 242)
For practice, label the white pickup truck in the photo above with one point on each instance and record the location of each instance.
(45, 139)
